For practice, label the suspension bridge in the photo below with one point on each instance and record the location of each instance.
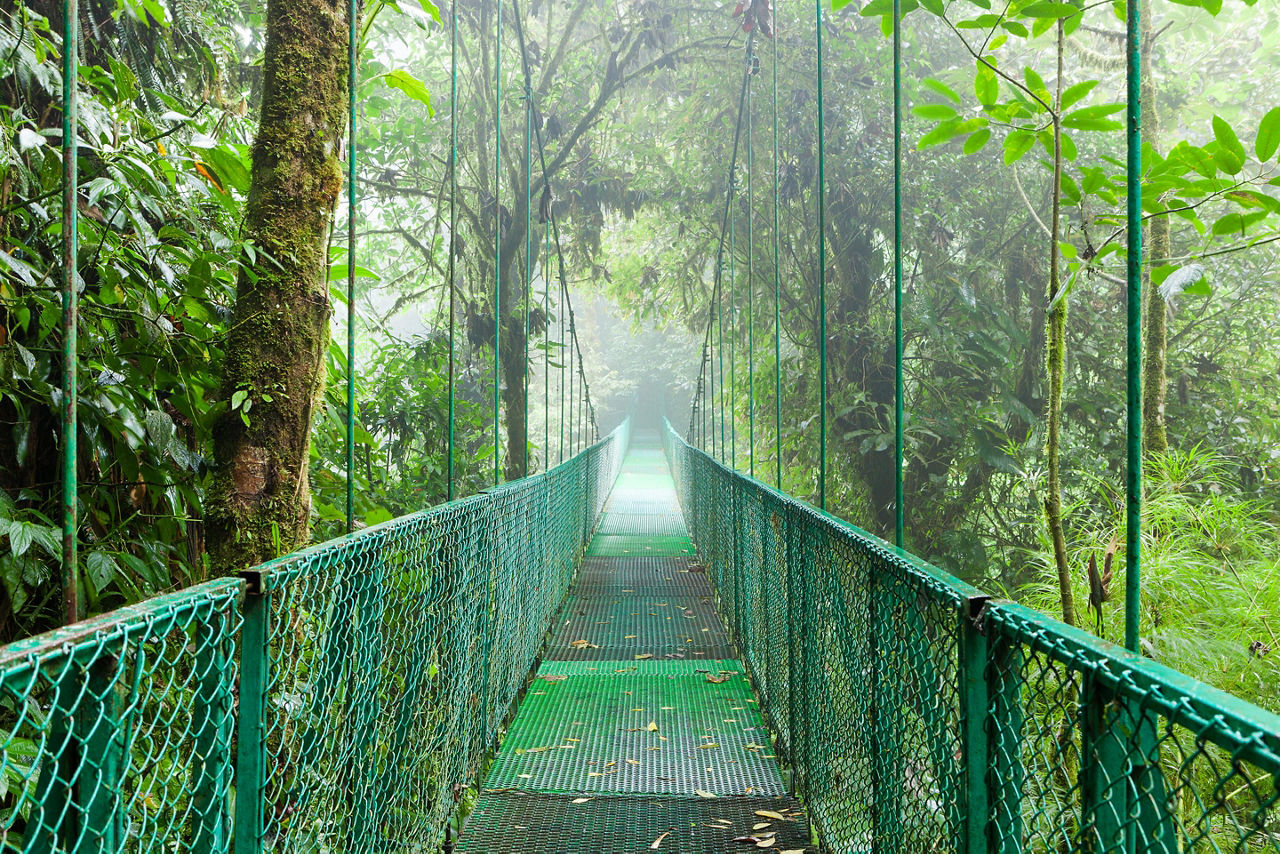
(639, 649)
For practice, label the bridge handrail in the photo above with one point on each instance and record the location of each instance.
(353, 686)
(917, 713)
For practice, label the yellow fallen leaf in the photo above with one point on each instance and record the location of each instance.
(580, 800)
(766, 843)
(708, 745)
(629, 637)
(633, 761)
(793, 851)
(652, 727)
(657, 843)
(525, 776)
(777, 816)
(703, 793)
(643, 656)
(761, 826)
(610, 764)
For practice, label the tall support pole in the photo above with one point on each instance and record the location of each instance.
(561, 311)
(70, 308)
(751, 303)
(453, 228)
(546, 350)
(777, 287)
(822, 279)
(731, 409)
(1133, 463)
(497, 254)
(353, 35)
(897, 274)
(528, 256)
(720, 353)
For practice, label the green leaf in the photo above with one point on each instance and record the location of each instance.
(935, 112)
(1050, 10)
(1016, 145)
(1268, 135)
(985, 85)
(977, 141)
(410, 85)
(942, 89)
(238, 398)
(1228, 142)
(1093, 118)
(1076, 92)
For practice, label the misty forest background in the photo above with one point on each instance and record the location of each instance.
(1013, 282)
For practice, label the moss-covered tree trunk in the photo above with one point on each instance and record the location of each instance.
(260, 504)
(1155, 383)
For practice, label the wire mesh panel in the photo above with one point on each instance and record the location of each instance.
(115, 733)
(331, 700)
(920, 716)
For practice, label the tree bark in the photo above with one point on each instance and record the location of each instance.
(1155, 382)
(260, 504)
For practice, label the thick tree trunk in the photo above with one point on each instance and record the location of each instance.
(260, 503)
(1156, 334)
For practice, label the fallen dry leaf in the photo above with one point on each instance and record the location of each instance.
(767, 843)
(633, 761)
(761, 826)
(716, 680)
(657, 843)
(777, 816)
(703, 793)
(643, 656)
(652, 727)
(793, 851)
(581, 800)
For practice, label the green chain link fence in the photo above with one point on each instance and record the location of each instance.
(919, 715)
(333, 700)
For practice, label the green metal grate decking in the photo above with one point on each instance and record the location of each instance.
(640, 730)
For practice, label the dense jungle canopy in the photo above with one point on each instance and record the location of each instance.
(212, 142)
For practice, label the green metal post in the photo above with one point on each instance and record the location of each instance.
(546, 351)
(251, 747)
(497, 255)
(822, 278)
(70, 308)
(1104, 781)
(897, 274)
(453, 228)
(731, 409)
(975, 753)
(99, 732)
(1133, 331)
(212, 718)
(352, 47)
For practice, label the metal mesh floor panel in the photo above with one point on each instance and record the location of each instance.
(523, 823)
(638, 733)
(602, 576)
(642, 524)
(652, 545)
(623, 628)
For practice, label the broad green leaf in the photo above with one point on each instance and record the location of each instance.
(977, 140)
(1074, 93)
(413, 87)
(985, 85)
(935, 112)
(1228, 141)
(1017, 144)
(1050, 10)
(1268, 135)
(1093, 118)
(942, 89)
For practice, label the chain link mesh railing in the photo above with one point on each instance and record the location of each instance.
(917, 715)
(333, 700)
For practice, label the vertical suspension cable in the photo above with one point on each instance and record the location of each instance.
(897, 275)
(528, 256)
(822, 281)
(560, 311)
(70, 309)
(453, 225)
(720, 346)
(751, 330)
(497, 255)
(1133, 331)
(733, 330)
(777, 284)
(352, 36)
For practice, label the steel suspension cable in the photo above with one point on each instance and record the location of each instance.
(777, 284)
(528, 257)
(352, 47)
(453, 229)
(751, 251)
(1133, 330)
(497, 255)
(822, 279)
(897, 274)
(70, 309)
